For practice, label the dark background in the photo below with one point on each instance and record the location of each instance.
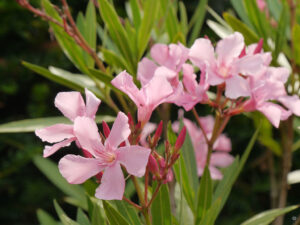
(23, 94)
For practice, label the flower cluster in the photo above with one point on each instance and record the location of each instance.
(243, 76)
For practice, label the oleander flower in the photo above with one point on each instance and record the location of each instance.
(107, 157)
(148, 97)
(72, 105)
(226, 64)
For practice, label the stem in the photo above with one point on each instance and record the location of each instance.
(273, 183)
(146, 185)
(147, 216)
(138, 190)
(132, 203)
(154, 194)
(200, 125)
(81, 38)
(287, 134)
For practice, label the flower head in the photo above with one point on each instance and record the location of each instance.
(107, 157)
(71, 104)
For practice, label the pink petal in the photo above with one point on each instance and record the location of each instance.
(125, 83)
(55, 133)
(221, 159)
(157, 90)
(229, 48)
(292, 103)
(146, 69)
(272, 112)
(215, 173)
(92, 104)
(70, 104)
(213, 78)
(236, 87)
(77, 169)
(165, 72)
(189, 78)
(49, 150)
(119, 131)
(202, 52)
(134, 158)
(277, 74)
(223, 143)
(248, 65)
(86, 131)
(112, 184)
(147, 130)
(160, 53)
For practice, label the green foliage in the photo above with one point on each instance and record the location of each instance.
(268, 216)
(113, 216)
(161, 207)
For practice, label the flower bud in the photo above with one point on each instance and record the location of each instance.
(106, 129)
(180, 139)
(152, 164)
(259, 46)
(157, 134)
(130, 121)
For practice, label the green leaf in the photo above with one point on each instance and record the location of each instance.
(44, 218)
(183, 18)
(268, 216)
(280, 37)
(296, 41)
(231, 174)
(274, 7)
(30, 125)
(205, 192)
(237, 25)
(128, 212)
(68, 45)
(170, 16)
(161, 206)
(82, 218)
(198, 19)
(240, 9)
(258, 19)
(188, 155)
(135, 9)
(96, 212)
(151, 8)
(116, 30)
(65, 78)
(113, 216)
(211, 214)
(62, 216)
(106, 40)
(50, 170)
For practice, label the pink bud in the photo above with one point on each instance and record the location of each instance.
(162, 162)
(180, 139)
(130, 121)
(106, 129)
(243, 53)
(259, 46)
(152, 164)
(87, 154)
(99, 177)
(158, 133)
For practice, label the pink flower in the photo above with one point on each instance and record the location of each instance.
(71, 104)
(269, 86)
(195, 92)
(108, 157)
(148, 97)
(227, 65)
(219, 158)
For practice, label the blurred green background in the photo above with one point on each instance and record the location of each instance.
(23, 94)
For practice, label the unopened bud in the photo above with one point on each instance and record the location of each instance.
(87, 154)
(130, 121)
(99, 177)
(243, 53)
(152, 164)
(106, 129)
(180, 139)
(157, 134)
(259, 46)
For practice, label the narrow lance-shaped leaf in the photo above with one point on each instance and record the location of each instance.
(296, 42)
(204, 195)
(113, 216)
(128, 212)
(268, 216)
(151, 8)
(198, 19)
(44, 218)
(161, 207)
(62, 216)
